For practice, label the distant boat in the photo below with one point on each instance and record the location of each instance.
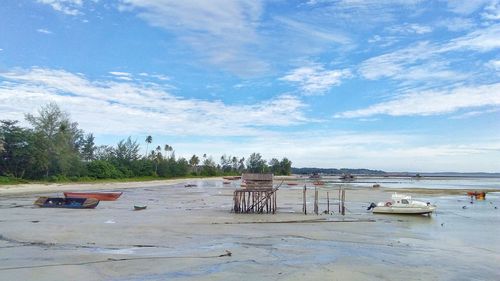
(479, 195)
(189, 185)
(226, 182)
(232, 178)
(347, 177)
(138, 208)
(292, 183)
(67, 202)
(402, 204)
(102, 196)
(315, 176)
(319, 183)
(376, 185)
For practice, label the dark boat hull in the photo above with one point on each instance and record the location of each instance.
(68, 202)
(101, 196)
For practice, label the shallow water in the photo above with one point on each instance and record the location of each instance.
(424, 182)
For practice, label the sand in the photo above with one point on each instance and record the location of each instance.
(186, 233)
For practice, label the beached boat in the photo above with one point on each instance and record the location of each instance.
(232, 178)
(226, 182)
(402, 204)
(101, 196)
(138, 208)
(189, 185)
(319, 183)
(292, 183)
(67, 202)
(479, 195)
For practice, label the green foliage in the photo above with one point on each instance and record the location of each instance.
(100, 169)
(255, 164)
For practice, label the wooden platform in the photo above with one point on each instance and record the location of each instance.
(255, 200)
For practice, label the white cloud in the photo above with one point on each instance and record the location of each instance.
(466, 7)
(68, 7)
(223, 32)
(43, 30)
(426, 62)
(481, 40)
(315, 79)
(492, 11)
(456, 24)
(110, 107)
(410, 28)
(432, 102)
(495, 64)
(315, 32)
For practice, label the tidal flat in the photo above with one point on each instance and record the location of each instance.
(189, 233)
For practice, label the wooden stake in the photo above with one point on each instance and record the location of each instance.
(328, 202)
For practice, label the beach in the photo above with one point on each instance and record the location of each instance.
(190, 233)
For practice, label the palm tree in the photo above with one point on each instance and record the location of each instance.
(158, 157)
(149, 139)
(168, 148)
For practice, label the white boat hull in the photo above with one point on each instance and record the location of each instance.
(404, 210)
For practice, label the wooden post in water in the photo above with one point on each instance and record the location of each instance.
(304, 202)
(340, 199)
(328, 202)
(315, 200)
(343, 201)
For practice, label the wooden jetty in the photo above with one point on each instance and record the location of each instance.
(257, 196)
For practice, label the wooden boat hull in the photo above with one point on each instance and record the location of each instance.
(138, 208)
(101, 196)
(67, 202)
(404, 210)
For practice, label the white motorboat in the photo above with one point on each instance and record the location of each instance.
(402, 204)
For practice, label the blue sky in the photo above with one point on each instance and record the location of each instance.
(398, 85)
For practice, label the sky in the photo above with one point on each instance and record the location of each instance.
(396, 85)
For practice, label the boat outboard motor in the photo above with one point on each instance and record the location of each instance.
(372, 205)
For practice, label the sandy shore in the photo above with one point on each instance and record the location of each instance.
(57, 187)
(187, 233)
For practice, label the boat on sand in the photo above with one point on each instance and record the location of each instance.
(67, 202)
(139, 208)
(102, 196)
(402, 204)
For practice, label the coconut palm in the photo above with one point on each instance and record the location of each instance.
(149, 139)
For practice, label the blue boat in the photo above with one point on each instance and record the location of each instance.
(67, 202)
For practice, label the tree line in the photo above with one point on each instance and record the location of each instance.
(53, 148)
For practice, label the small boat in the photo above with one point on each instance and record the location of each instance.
(138, 208)
(102, 196)
(292, 183)
(232, 178)
(315, 176)
(67, 202)
(347, 177)
(402, 204)
(479, 195)
(376, 185)
(226, 182)
(319, 183)
(189, 185)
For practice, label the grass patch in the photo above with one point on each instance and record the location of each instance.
(10, 180)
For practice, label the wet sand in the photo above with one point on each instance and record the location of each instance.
(185, 233)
